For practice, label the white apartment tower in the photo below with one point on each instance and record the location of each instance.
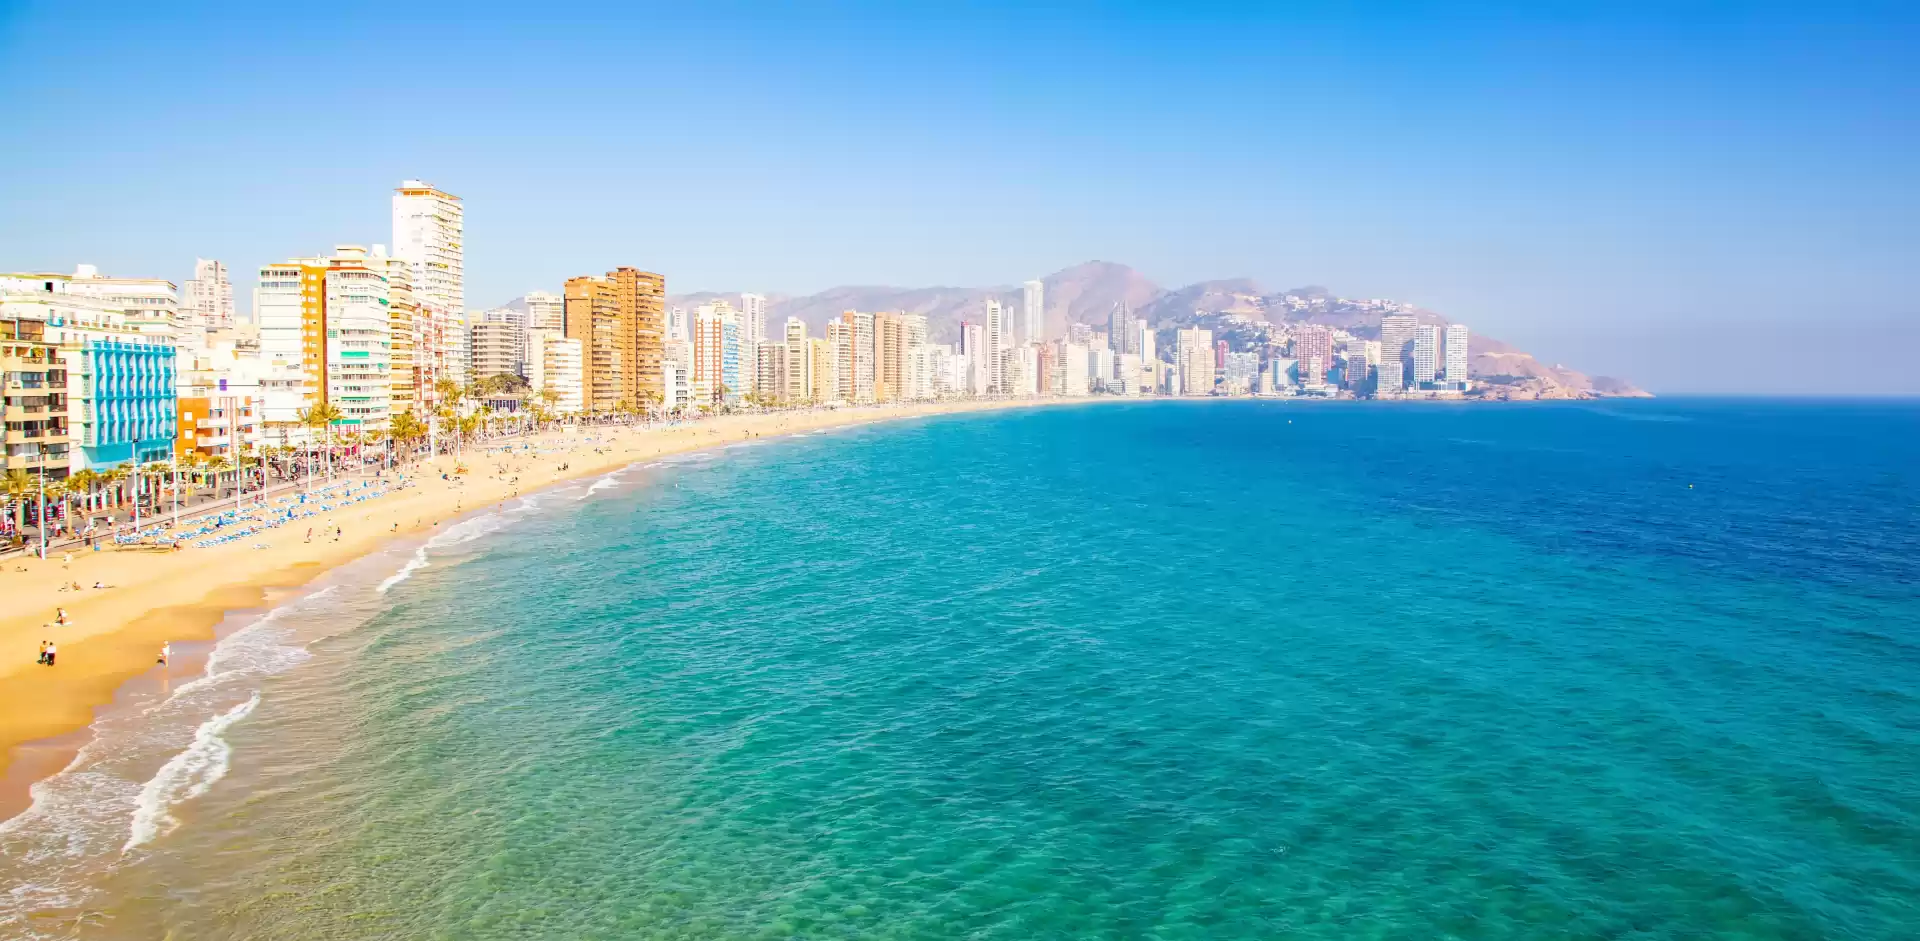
(753, 332)
(546, 311)
(359, 338)
(994, 341)
(1426, 353)
(1034, 306)
(1396, 340)
(1456, 352)
(210, 295)
(429, 233)
(553, 365)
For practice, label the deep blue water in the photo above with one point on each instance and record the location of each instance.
(1644, 670)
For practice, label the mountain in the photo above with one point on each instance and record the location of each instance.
(1088, 293)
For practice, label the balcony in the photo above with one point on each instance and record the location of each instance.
(30, 462)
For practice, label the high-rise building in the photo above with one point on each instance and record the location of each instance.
(403, 315)
(553, 370)
(771, 361)
(518, 321)
(1074, 380)
(287, 314)
(1426, 353)
(1457, 354)
(889, 357)
(331, 321)
(973, 342)
(496, 346)
(753, 330)
(546, 311)
(620, 323)
(1144, 344)
(916, 377)
(825, 363)
(1194, 356)
(839, 339)
(457, 357)
(1313, 350)
(1034, 306)
(708, 367)
(210, 295)
(642, 296)
(733, 362)
(992, 343)
(1396, 352)
(1358, 366)
(606, 341)
(860, 359)
(359, 334)
(1122, 329)
(429, 232)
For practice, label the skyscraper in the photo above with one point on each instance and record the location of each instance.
(209, 297)
(889, 357)
(1034, 305)
(403, 313)
(840, 346)
(973, 341)
(429, 231)
(1426, 353)
(497, 348)
(606, 342)
(708, 369)
(799, 362)
(1396, 351)
(1122, 329)
(1313, 349)
(1457, 353)
(642, 296)
(546, 311)
(859, 358)
(753, 330)
(553, 366)
(358, 334)
(993, 343)
(1194, 356)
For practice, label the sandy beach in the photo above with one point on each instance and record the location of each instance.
(153, 596)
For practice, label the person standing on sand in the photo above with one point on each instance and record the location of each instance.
(166, 650)
(43, 652)
(52, 650)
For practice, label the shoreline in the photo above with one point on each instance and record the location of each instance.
(158, 596)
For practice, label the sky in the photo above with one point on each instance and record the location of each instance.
(1700, 197)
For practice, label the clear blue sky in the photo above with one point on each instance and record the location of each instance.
(1702, 197)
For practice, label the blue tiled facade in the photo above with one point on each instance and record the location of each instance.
(131, 397)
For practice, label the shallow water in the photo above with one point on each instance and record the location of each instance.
(1225, 670)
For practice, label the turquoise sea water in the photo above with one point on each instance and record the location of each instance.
(1644, 670)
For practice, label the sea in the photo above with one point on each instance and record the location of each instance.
(1158, 670)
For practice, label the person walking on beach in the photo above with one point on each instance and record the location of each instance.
(43, 652)
(166, 650)
(53, 649)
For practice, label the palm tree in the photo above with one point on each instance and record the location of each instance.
(85, 482)
(405, 430)
(321, 417)
(445, 390)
